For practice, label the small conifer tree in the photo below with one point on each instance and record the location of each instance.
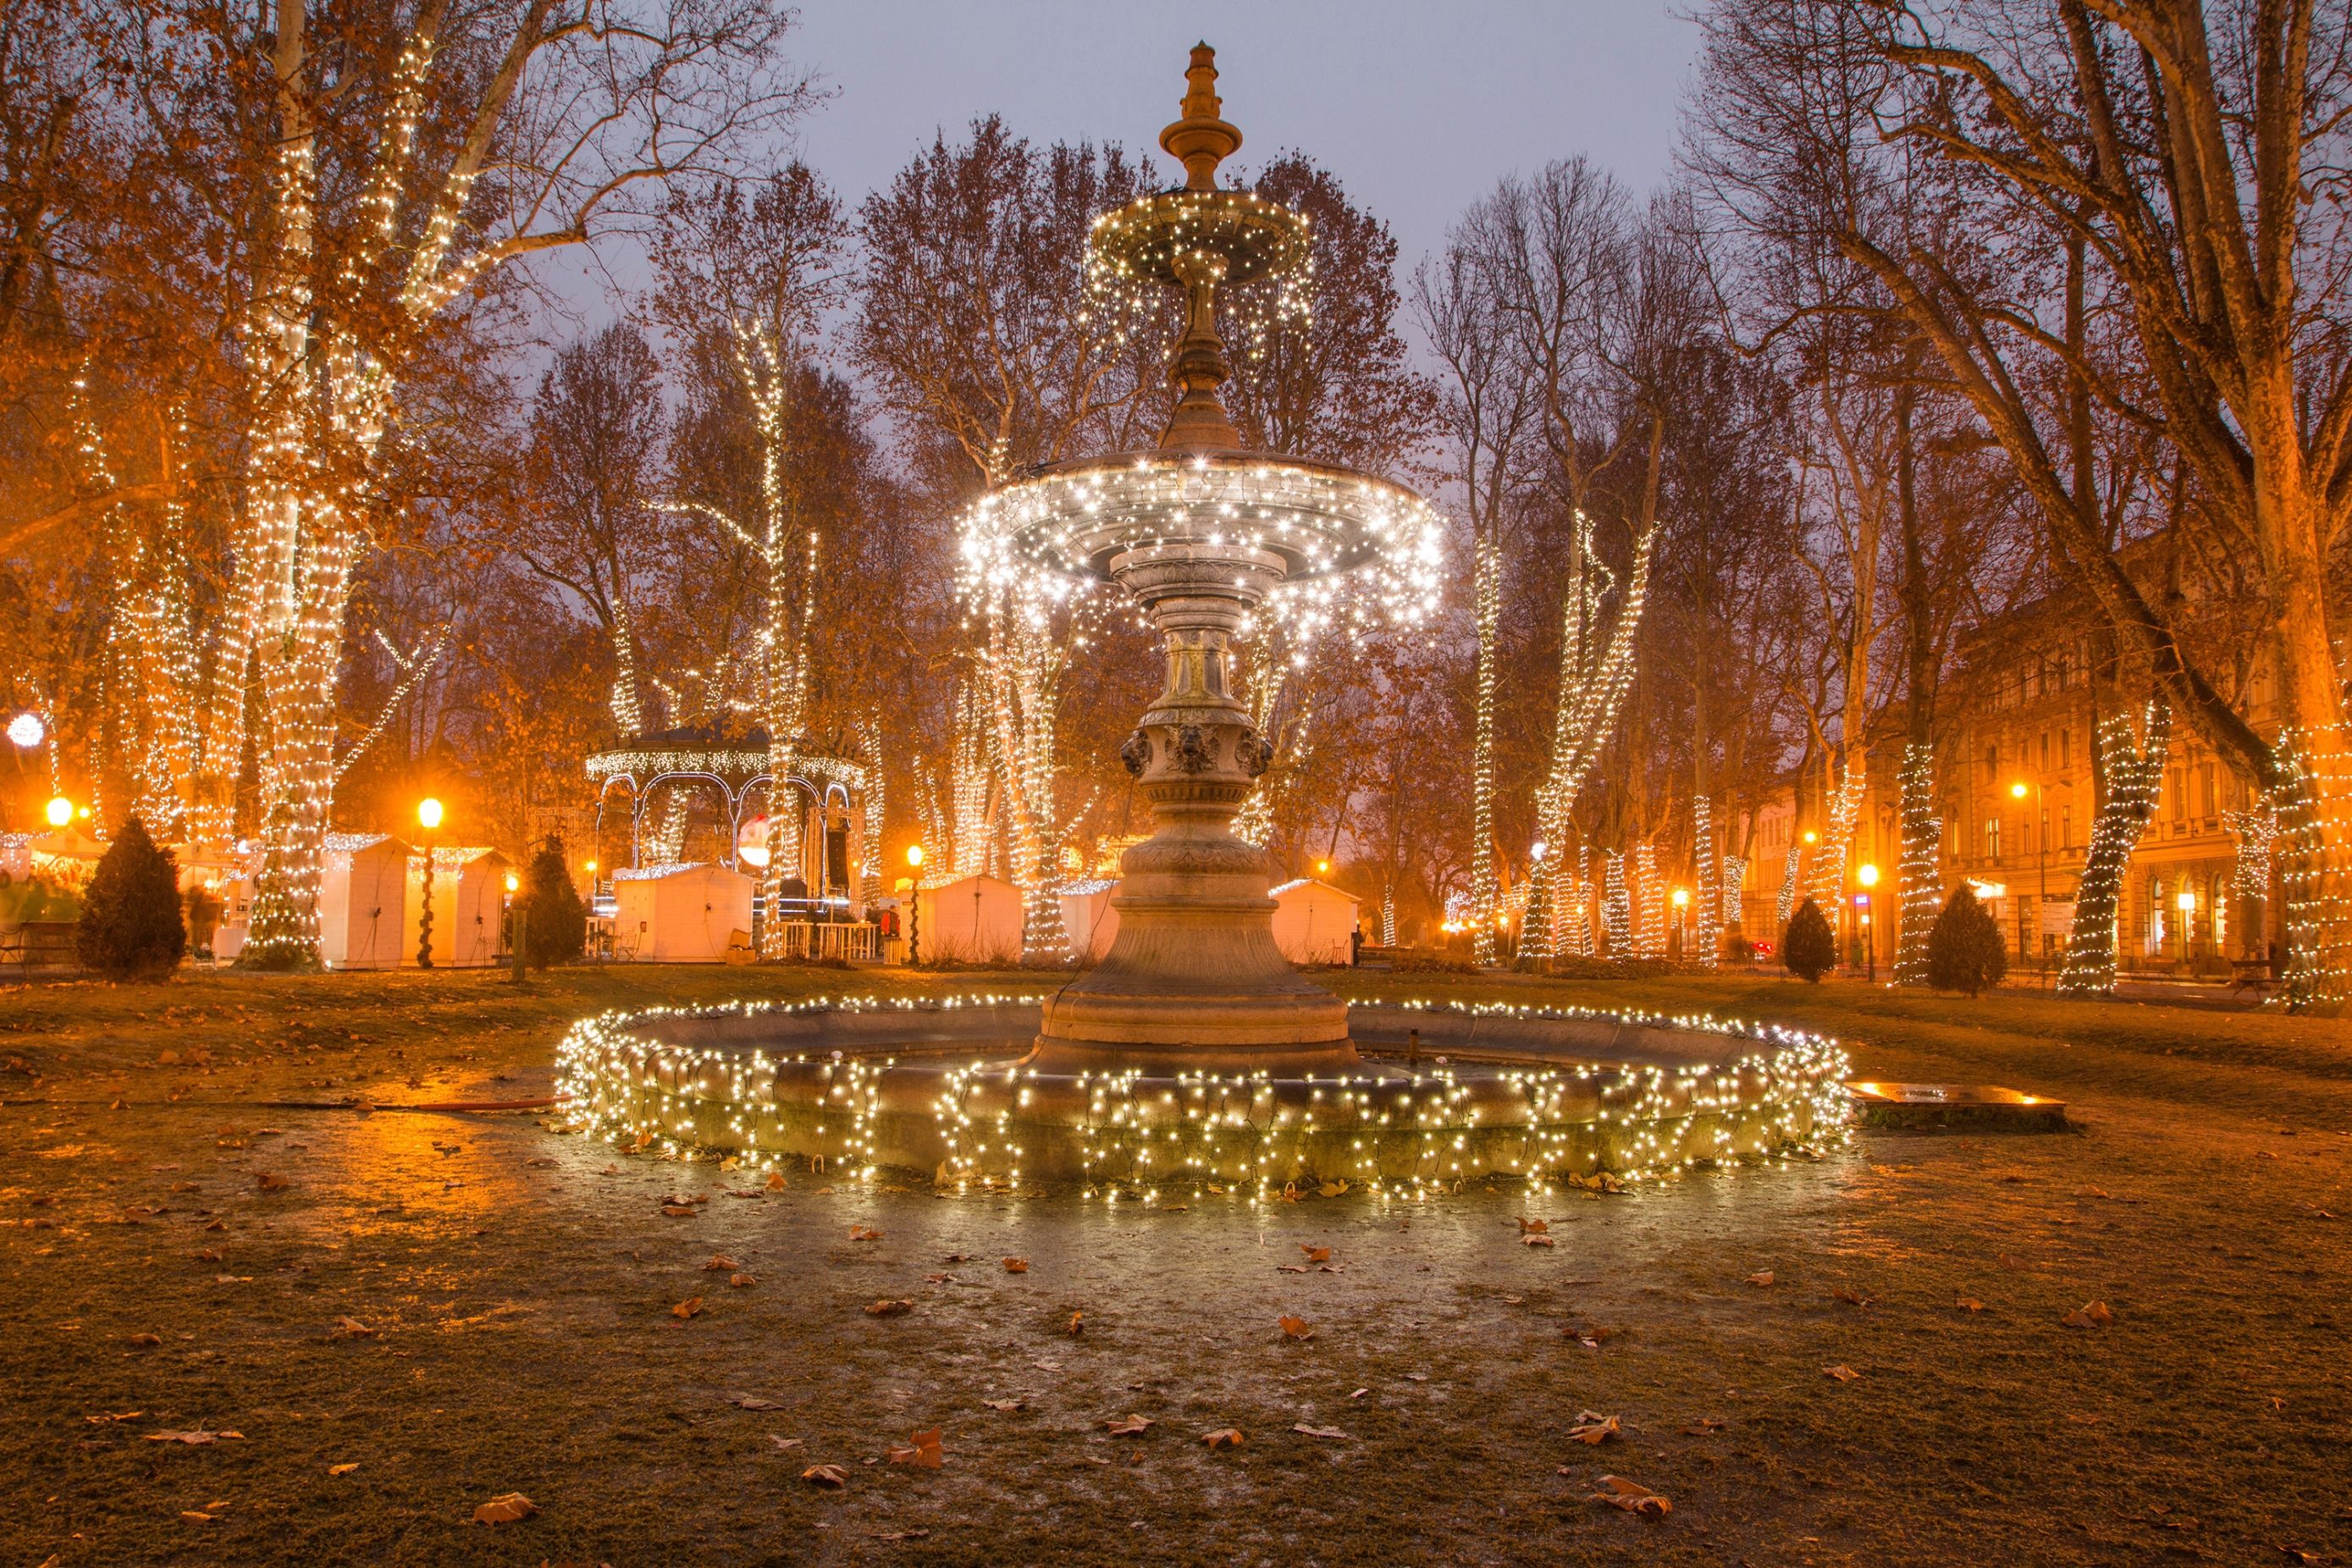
(131, 923)
(1809, 948)
(1965, 952)
(555, 922)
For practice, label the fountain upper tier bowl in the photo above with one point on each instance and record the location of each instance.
(1445, 1093)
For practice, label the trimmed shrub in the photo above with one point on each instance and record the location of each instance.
(1809, 948)
(555, 922)
(1964, 947)
(131, 923)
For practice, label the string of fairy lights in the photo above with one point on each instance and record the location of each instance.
(1920, 875)
(1407, 1128)
(1486, 891)
(2315, 837)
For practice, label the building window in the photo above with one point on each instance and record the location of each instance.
(1992, 766)
(1992, 836)
(2208, 790)
(2174, 787)
(2066, 748)
(2045, 750)
(2065, 827)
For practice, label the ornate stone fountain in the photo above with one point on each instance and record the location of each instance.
(1194, 1054)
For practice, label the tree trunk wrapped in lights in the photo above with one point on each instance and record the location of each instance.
(1734, 872)
(1021, 666)
(1921, 891)
(2314, 848)
(1616, 910)
(2130, 777)
(1486, 891)
(1650, 929)
(1708, 897)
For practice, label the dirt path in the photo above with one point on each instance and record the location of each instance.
(517, 1289)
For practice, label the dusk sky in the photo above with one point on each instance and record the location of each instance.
(1418, 108)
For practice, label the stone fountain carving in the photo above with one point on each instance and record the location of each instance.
(1201, 534)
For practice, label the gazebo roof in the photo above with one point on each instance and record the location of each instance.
(735, 756)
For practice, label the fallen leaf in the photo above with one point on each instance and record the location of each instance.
(775, 1180)
(268, 1182)
(1633, 1498)
(686, 1308)
(1006, 1404)
(1224, 1437)
(1762, 1277)
(1534, 1227)
(505, 1508)
(146, 1339)
(826, 1476)
(1851, 1298)
(678, 1211)
(1076, 1325)
(1046, 1366)
(342, 1469)
(2090, 1315)
(1594, 1429)
(352, 1329)
(864, 1233)
(783, 1442)
(1129, 1426)
(1320, 1431)
(921, 1449)
(1295, 1327)
(1841, 1372)
(1706, 1423)
(199, 1435)
(720, 1264)
(752, 1402)
(741, 1281)
(1359, 1393)
(1316, 1254)
(191, 1516)
(888, 1309)
(1332, 1189)
(900, 1534)
(1016, 1265)
(1290, 1268)
(1969, 1304)
(1533, 1239)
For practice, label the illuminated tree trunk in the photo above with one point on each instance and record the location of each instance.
(2129, 778)
(1708, 896)
(1922, 889)
(1486, 891)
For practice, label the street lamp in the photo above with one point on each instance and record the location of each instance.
(2186, 901)
(1682, 922)
(2041, 869)
(60, 812)
(428, 816)
(915, 906)
(1868, 876)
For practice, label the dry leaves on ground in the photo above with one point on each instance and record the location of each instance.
(1224, 1437)
(690, 1307)
(864, 1233)
(505, 1508)
(1016, 1265)
(1969, 1304)
(752, 1402)
(2090, 1315)
(144, 1339)
(194, 1516)
(1293, 1328)
(342, 1469)
(1076, 1325)
(1006, 1404)
(832, 1475)
(920, 1449)
(1851, 1298)
(888, 1309)
(775, 1180)
(741, 1281)
(1316, 1254)
(1633, 1498)
(1841, 1372)
(1320, 1431)
(268, 1181)
(1128, 1425)
(352, 1329)
(1534, 1227)
(1762, 1277)
(1593, 1428)
(199, 1435)
(720, 1264)
(1536, 1239)
(1706, 1426)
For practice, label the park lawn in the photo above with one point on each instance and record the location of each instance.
(518, 1285)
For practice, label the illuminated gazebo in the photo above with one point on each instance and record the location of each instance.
(827, 796)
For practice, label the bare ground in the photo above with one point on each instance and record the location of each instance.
(519, 1285)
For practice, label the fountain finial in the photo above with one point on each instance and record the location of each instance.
(1200, 139)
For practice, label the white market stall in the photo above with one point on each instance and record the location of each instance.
(1087, 917)
(973, 919)
(470, 892)
(680, 914)
(1315, 922)
(362, 902)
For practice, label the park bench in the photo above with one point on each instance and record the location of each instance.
(2251, 973)
(38, 944)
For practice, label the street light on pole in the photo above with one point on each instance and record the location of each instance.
(1868, 876)
(428, 816)
(914, 906)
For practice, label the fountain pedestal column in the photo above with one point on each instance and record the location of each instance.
(1193, 982)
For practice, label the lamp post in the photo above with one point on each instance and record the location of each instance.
(2186, 901)
(1868, 876)
(1682, 922)
(915, 906)
(518, 925)
(60, 812)
(428, 816)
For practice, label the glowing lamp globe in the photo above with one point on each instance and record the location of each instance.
(514, 883)
(915, 854)
(60, 812)
(1867, 876)
(428, 812)
(26, 730)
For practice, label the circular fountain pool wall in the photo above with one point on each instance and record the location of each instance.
(1445, 1093)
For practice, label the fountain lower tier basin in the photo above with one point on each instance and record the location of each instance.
(1444, 1093)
